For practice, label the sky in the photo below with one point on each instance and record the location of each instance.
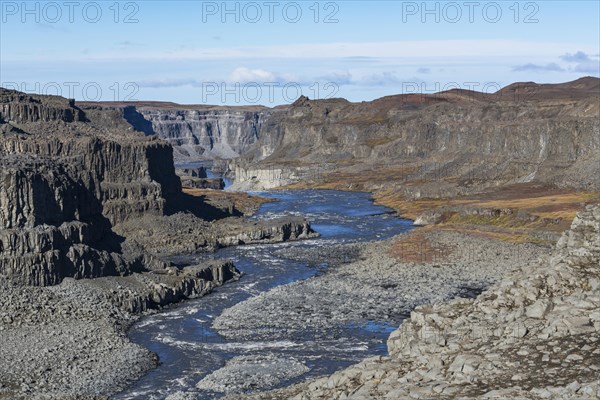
(271, 52)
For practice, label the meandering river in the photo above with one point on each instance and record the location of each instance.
(190, 349)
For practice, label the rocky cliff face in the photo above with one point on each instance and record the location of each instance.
(201, 134)
(552, 135)
(64, 182)
(21, 108)
(523, 133)
(76, 182)
(195, 132)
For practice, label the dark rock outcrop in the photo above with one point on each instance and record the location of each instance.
(198, 172)
(78, 187)
(156, 290)
(21, 108)
(64, 182)
(203, 183)
(163, 235)
(270, 231)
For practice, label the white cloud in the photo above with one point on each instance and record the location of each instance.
(165, 83)
(551, 67)
(340, 78)
(591, 67)
(583, 62)
(245, 75)
(580, 56)
(384, 78)
(578, 62)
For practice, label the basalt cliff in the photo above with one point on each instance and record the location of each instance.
(458, 158)
(73, 180)
(442, 144)
(65, 182)
(195, 132)
(457, 141)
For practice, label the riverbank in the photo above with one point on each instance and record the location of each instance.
(517, 213)
(380, 287)
(371, 285)
(69, 341)
(533, 335)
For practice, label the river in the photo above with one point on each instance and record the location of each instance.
(190, 349)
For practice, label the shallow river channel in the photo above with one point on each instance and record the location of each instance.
(188, 347)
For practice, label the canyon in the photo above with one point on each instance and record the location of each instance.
(71, 178)
(195, 132)
(431, 157)
(465, 141)
(92, 210)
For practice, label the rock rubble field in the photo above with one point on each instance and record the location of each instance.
(535, 334)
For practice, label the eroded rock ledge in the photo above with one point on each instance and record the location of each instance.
(65, 179)
(69, 341)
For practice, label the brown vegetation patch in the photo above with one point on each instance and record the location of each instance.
(543, 202)
(363, 180)
(418, 248)
(551, 209)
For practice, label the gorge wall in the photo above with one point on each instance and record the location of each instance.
(195, 132)
(78, 179)
(198, 134)
(523, 133)
(456, 140)
(66, 178)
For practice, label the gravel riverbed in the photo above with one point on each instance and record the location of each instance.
(376, 287)
(533, 335)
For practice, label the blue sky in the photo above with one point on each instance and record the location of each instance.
(270, 52)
